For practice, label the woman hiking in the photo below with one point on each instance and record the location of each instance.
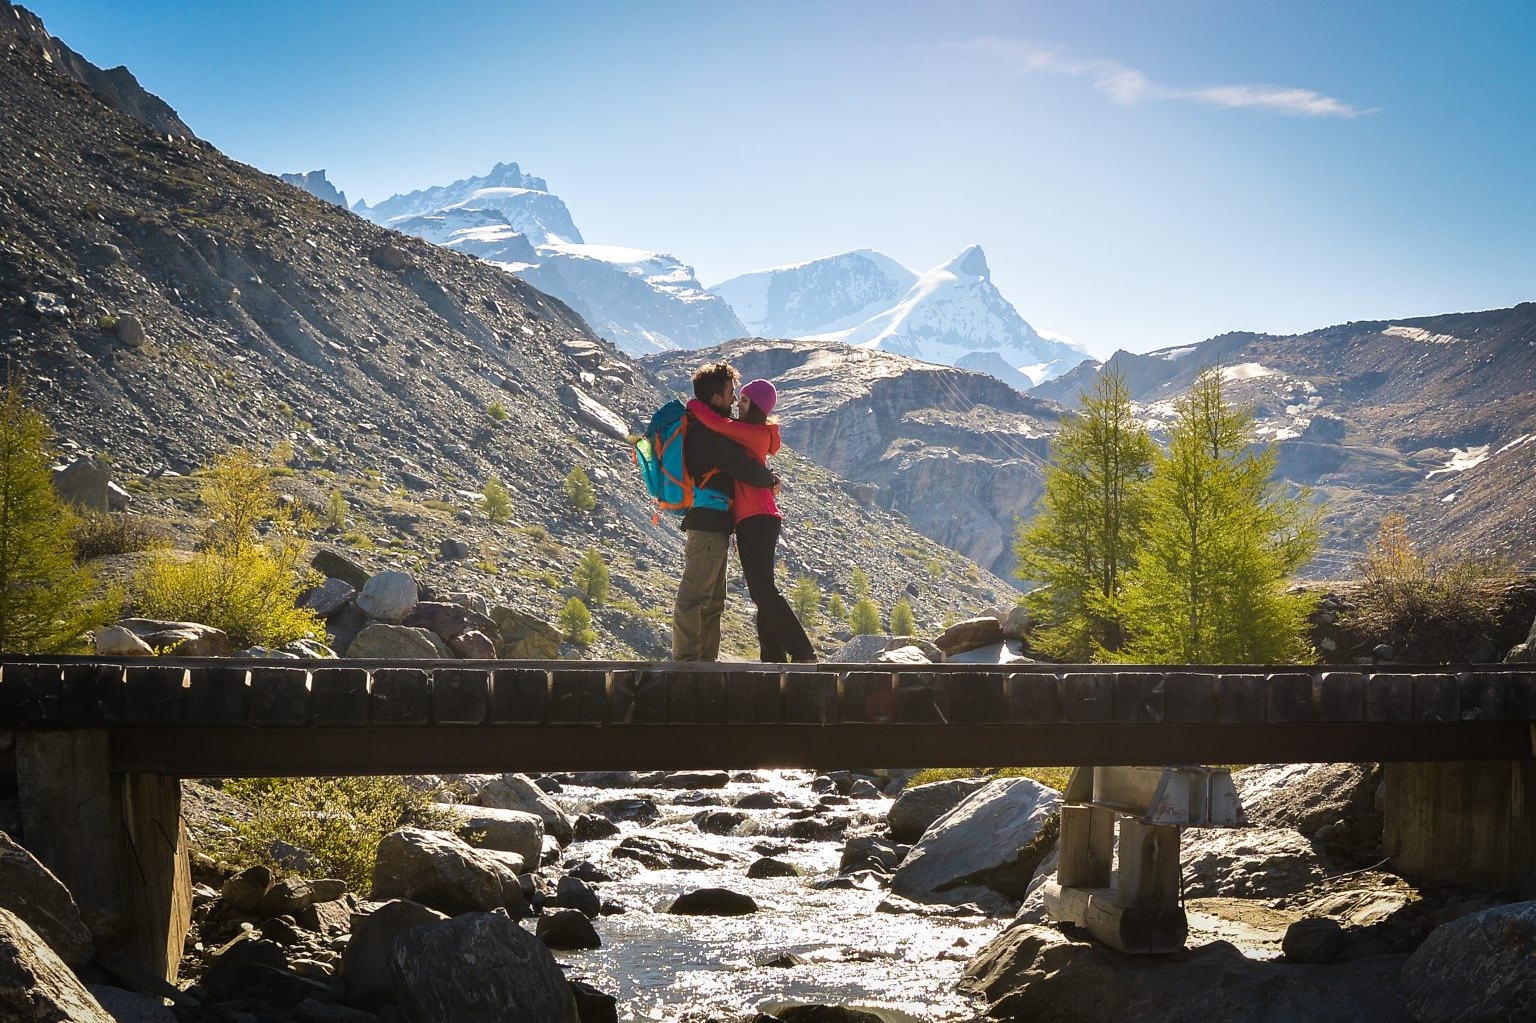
(780, 637)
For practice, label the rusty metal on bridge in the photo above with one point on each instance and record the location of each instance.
(192, 717)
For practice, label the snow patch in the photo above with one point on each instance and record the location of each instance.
(1245, 371)
(1419, 334)
(1514, 443)
(1175, 354)
(1462, 459)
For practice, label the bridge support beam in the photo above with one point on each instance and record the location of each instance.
(115, 840)
(1462, 822)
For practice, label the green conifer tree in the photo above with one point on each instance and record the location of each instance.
(835, 609)
(902, 621)
(591, 576)
(498, 502)
(576, 622)
(1089, 528)
(578, 489)
(858, 582)
(1221, 540)
(46, 600)
(805, 598)
(865, 620)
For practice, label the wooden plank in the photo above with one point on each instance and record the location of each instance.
(1034, 698)
(978, 698)
(461, 696)
(339, 697)
(810, 698)
(753, 698)
(1481, 695)
(867, 697)
(155, 694)
(91, 694)
(1241, 700)
(1341, 696)
(639, 697)
(1138, 697)
(1389, 697)
(400, 696)
(1520, 696)
(1088, 697)
(154, 869)
(1189, 697)
(30, 692)
(217, 695)
(698, 698)
(1436, 697)
(1289, 697)
(921, 698)
(520, 696)
(1142, 930)
(578, 696)
(1087, 847)
(1149, 864)
(279, 696)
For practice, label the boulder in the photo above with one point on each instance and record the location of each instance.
(1313, 940)
(518, 792)
(638, 810)
(994, 839)
(574, 893)
(712, 902)
(84, 483)
(918, 807)
(116, 641)
(338, 566)
(983, 630)
(1523, 653)
(663, 854)
(473, 645)
(695, 780)
(567, 929)
(525, 637)
(36, 986)
(449, 620)
(130, 1007)
(365, 961)
(328, 598)
(1008, 651)
(767, 866)
(243, 893)
(388, 596)
(442, 871)
(31, 891)
(589, 827)
(129, 330)
(1475, 969)
(393, 642)
(454, 971)
(1030, 972)
(514, 831)
(180, 639)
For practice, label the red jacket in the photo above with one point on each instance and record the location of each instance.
(760, 440)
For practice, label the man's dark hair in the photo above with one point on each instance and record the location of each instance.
(711, 380)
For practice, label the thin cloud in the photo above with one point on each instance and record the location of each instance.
(1128, 87)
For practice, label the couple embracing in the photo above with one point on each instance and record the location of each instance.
(725, 451)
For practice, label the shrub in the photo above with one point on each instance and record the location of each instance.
(578, 489)
(250, 595)
(338, 821)
(902, 622)
(498, 502)
(591, 576)
(336, 510)
(576, 623)
(497, 412)
(103, 534)
(866, 618)
(858, 582)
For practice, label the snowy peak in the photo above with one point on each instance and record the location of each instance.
(970, 263)
(524, 202)
(816, 296)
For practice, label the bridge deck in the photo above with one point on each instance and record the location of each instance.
(192, 717)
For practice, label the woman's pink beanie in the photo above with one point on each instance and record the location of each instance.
(761, 393)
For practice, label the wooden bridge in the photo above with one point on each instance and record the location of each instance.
(97, 747)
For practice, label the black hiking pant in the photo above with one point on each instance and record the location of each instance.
(780, 636)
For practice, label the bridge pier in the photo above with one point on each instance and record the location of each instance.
(1462, 822)
(115, 840)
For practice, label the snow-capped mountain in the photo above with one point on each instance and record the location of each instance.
(642, 301)
(953, 314)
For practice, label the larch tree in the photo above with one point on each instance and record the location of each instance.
(1221, 540)
(1089, 528)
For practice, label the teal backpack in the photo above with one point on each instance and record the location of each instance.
(659, 454)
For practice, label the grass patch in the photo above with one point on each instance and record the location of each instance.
(1053, 777)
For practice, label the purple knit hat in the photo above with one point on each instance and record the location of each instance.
(761, 393)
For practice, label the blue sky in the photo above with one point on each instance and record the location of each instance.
(1140, 174)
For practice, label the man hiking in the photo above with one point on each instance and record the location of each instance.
(715, 463)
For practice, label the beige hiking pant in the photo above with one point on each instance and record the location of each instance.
(700, 597)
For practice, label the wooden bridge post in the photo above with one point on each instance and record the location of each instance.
(115, 840)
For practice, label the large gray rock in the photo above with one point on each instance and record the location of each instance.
(518, 792)
(993, 840)
(131, 1007)
(442, 871)
(450, 620)
(338, 566)
(329, 597)
(1030, 972)
(525, 637)
(1477, 969)
(29, 889)
(478, 967)
(84, 483)
(116, 641)
(918, 807)
(514, 831)
(181, 639)
(35, 984)
(392, 642)
(388, 596)
(983, 630)
(365, 961)
(1523, 653)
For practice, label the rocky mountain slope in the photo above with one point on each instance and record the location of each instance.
(1433, 417)
(952, 314)
(167, 303)
(958, 454)
(641, 301)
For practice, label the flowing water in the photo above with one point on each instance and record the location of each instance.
(859, 950)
